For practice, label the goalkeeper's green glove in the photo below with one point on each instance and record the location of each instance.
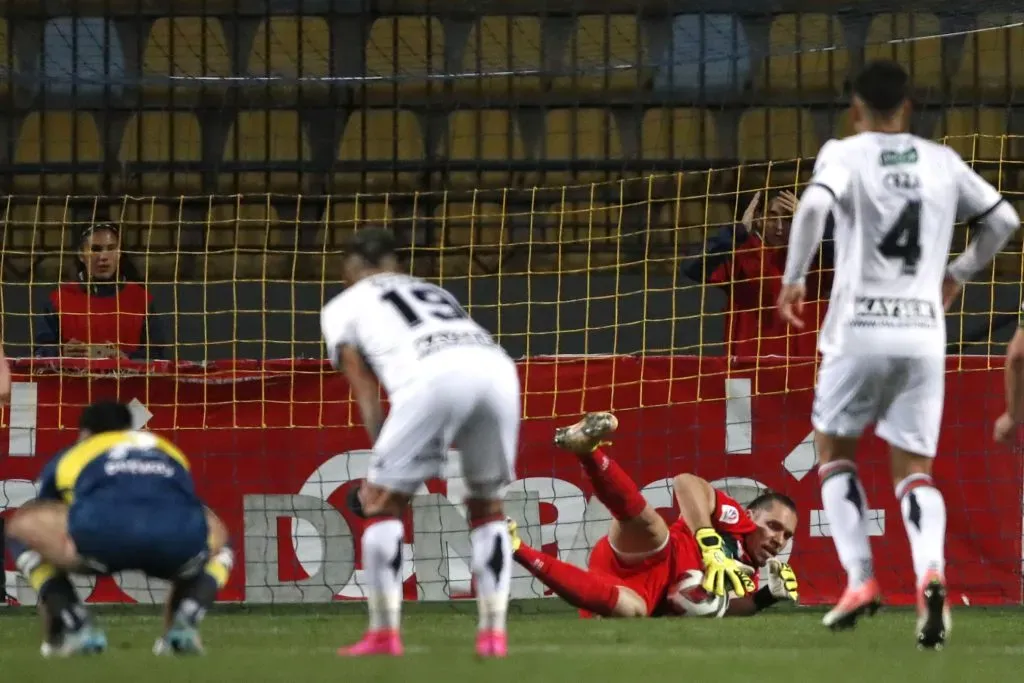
(718, 566)
(782, 581)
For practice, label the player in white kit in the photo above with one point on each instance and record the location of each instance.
(448, 382)
(894, 198)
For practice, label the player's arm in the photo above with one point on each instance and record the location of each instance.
(365, 389)
(1007, 424)
(828, 185)
(995, 221)
(5, 378)
(339, 332)
(1015, 376)
(808, 230)
(696, 499)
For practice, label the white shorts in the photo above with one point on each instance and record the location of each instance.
(902, 396)
(467, 397)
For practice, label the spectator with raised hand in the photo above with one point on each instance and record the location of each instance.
(106, 312)
(746, 261)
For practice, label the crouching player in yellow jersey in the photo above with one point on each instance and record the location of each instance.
(119, 500)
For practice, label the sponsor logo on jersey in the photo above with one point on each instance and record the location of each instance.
(435, 341)
(729, 515)
(891, 158)
(879, 311)
(140, 468)
(901, 180)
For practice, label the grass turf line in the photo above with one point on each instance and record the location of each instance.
(296, 647)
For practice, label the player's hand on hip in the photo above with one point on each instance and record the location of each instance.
(950, 291)
(719, 567)
(782, 581)
(791, 305)
(1005, 430)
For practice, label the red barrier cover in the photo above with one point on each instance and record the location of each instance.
(265, 428)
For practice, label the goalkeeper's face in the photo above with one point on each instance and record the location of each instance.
(776, 525)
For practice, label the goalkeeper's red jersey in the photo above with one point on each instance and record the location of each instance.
(653, 576)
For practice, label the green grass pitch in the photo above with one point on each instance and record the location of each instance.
(296, 645)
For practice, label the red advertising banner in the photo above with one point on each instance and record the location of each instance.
(258, 433)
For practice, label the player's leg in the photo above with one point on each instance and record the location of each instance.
(488, 438)
(911, 426)
(846, 400)
(207, 563)
(594, 592)
(637, 529)
(44, 553)
(408, 452)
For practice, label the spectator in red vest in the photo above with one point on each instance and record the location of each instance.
(747, 261)
(106, 313)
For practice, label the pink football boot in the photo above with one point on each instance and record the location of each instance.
(492, 644)
(385, 642)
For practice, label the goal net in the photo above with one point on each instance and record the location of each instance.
(578, 179)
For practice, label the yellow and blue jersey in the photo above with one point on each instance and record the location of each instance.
(133, 504)
(129, 467)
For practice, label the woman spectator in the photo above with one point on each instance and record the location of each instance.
(747, 261)
(106, 313)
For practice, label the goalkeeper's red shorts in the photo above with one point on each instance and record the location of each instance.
(653, 575)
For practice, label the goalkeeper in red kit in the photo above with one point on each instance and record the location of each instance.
(633, 568)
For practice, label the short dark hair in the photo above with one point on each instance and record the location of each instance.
(92, 228)
(372, 244)
(882, 85)
(770, 498)
(105, 416)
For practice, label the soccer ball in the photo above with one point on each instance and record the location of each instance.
(689, 599)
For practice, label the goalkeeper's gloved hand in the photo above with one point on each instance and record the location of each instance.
(782, 581)
(718, 566)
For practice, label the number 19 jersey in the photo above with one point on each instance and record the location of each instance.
(398, 322)
(897, 198)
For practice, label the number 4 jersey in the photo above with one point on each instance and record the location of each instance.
(397, 322)
(897, 197)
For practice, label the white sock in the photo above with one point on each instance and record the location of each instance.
(492, 569)
(924, 516)
(382, 563)
(845, 504)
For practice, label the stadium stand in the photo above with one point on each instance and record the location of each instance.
(557, 165)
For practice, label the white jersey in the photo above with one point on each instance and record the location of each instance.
(897, 198)
(397, 321)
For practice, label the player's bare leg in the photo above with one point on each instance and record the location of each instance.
(44, 553)
(637, 529)
(191, 598)
(590, 591)
(492, 572)
(383, 538)
(845, 503)
(924, 516)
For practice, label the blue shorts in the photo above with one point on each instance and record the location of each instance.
(163, 541)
